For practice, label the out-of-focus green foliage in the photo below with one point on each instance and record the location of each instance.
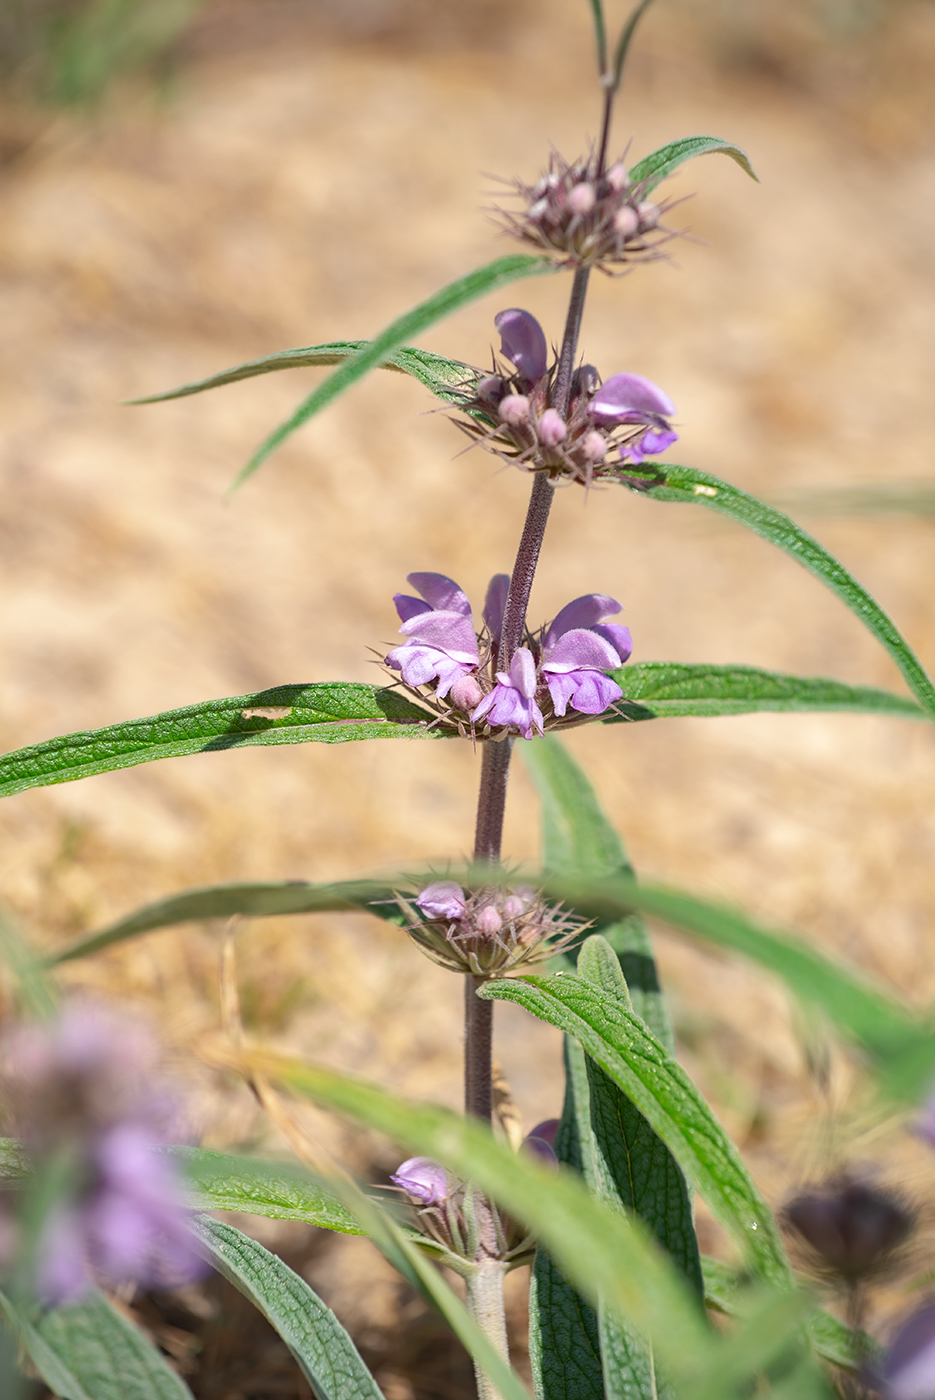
(69, 51)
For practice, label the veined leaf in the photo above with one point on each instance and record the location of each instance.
(330, 713)
(444, 378)
(659, 165)
(373, 352)
(668, 689)
(88, 1351)
(277, 1190)
(326, 1356)
(638, 1063)
(253, 900)
(687, 485)
(600, 1251)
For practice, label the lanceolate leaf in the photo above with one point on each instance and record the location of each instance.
(659, 165)
(251, 900)
(325, 1353)
(278, 1190)
(446, 379)
(89, 1351)
(685, 484)
(373, 352)
(657, 1085)
(667, 689)
(331, 713)
(600, 1251)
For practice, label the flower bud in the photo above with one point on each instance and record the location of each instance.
(543, 1151)
(466, 694)
(442, 900)
(851, 1228)
(547, 1130)
(551, 428)
(488, 922)
(538, 210)
(618, 177)
(595, 447)
(582, 199)
(424, 1181)
(649, 214)
(626, 222)
(490, 388)
(514, 409)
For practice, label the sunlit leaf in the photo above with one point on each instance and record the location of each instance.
(638, 1063)
(373, 353)
(445, 378)
(659, 165)
(330, 713)
(326, 1356)
(669, 689)
(669, 482)
(277, 1190)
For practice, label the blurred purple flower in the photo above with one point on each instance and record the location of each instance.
(440, 631)
(424, 1180)
(82, 1086)
(543, 1151)
(523, 342)
(513, 699)
(909, 1364)
(629, 398)
(578, 648)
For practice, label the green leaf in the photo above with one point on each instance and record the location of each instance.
(330, 713)
(685, 484)
(670, 689)
(278, 1190)
(564, 1333)
(89, 1351)
(579, 840)
(659, 1088)
(599, 1250)
(832, 1339)
(14, 1164)
(445, 378)
(373, 352)
(659, 165)
(327, 1357)
(33, 989)
(254, 900)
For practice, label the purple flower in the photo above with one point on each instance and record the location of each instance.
(909, 1364)
(442, 900)
(543, 1151)
(578, 648)
(629, 398)
(513, 699)
(82, 1087)
(440, 634)
(424, 1180)
(522, 340)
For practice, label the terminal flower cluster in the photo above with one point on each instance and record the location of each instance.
(588, 219)
(489, 932)
(563, 667)
(606, 426)
(80, 1092)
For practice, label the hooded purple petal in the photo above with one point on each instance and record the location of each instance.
(522, 340)
(618, 637)
(625, 394)
(495, 605)
(588, 692)
(579, 649)
(543, 1151)
(441, 592)
(512, 700)
(424, 1180)
(442, 900)
(449, 632)
(585, 611)
(408, 607)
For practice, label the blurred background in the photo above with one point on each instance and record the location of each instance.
(187, 185)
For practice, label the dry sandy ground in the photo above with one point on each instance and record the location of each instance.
(295, 192)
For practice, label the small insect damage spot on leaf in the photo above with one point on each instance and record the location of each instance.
(270, 712)
(705, 490)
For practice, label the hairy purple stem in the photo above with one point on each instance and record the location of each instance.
(478, 1051)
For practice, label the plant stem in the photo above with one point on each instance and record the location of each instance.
(484, 1287)
(561, 389)
(478, 1051)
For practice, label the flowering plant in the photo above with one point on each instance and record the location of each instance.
(600, 1200)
